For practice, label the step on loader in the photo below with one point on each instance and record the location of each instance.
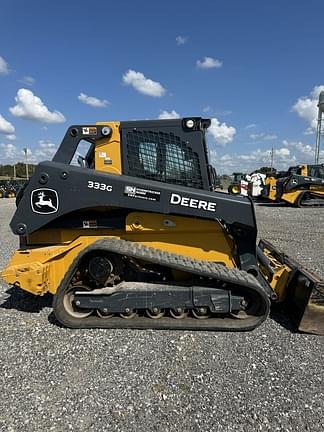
(131, 234)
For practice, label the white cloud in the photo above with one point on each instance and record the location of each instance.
(309, 131)
(142, 84)
(46, 144)
(92, 101)
(10, 154)
(11, 137)
(256, 136)
(31, 107)
(4, 69)
(5, 126)
(282, 152)
(221, 133)
(305, 152)
(181, 40)
(169, 115)
(263, 136)
(45, 150)
(229, 163)
(268, 137)
(209, 63)
(223, 113)
(291, 153)
(28, 80)
(250, 126)
(306, 108)
(208, 109)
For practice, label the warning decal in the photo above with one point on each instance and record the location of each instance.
(89, 130)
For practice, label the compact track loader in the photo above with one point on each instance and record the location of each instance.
(136, 237)
(300, 186)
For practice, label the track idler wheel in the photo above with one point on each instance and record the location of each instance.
(71, 307)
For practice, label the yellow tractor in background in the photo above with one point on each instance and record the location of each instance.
(300, 186)
(131, 234)
(235, 187)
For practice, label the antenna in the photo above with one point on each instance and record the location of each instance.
(319, 132)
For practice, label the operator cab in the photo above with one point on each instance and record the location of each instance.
(172, 151)
(316, 171)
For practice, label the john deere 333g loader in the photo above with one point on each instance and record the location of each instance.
(301, 186)
(135, 237)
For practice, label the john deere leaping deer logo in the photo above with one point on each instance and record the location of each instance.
(44, 201)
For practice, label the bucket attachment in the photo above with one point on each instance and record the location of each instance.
(302, 295)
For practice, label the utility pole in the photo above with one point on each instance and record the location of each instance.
(271, 160)
(26, 155)
(319, 127)
(14, 171)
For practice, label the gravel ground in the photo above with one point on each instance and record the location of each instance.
(57, 379)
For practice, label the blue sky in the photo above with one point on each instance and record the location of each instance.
(255, 67)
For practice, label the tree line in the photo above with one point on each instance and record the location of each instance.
(18, 170)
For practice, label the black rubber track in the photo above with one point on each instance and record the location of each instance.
(307, 199)
(234, 278)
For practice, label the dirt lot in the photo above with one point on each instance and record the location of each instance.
(57, 379)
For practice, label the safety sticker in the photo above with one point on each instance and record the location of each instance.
(89, 130)
(146, 194)
(90, 224)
